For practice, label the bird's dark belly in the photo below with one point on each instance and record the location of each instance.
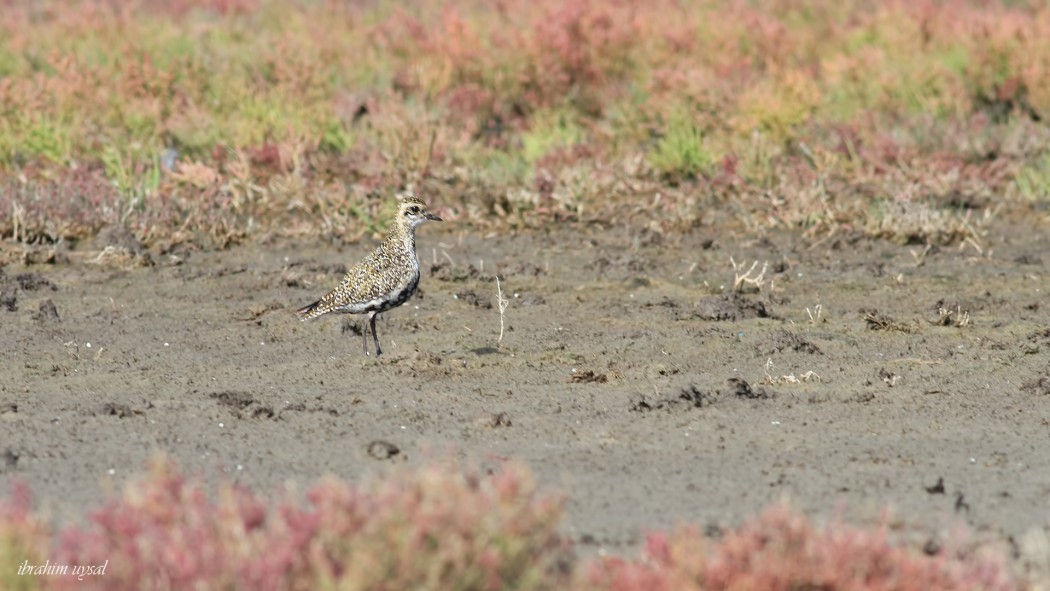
(395, 299)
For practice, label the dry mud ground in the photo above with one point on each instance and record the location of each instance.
(859, 376)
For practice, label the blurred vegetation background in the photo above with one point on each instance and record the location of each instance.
(216, 121)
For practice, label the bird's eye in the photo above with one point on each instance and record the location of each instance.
(412, 210)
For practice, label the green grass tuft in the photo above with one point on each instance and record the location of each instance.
(682, 152)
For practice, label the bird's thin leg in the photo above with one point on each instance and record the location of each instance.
(375, 336)
(364, 339)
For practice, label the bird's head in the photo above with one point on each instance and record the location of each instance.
(411, 212)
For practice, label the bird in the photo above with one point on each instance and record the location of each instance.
(384, 279)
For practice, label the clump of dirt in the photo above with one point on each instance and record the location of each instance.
(782, 340)
(243, 404)
(742, 389)
(500, 419)
(119, 410)
(449, 272)
(46, 312)
(692, 396)
(879, 321)
(472, 298)
(688, 397)
(588, 377)
(12, 286)
(730, 306)
(945, 313)
(383, 450)
(1040, 386)
(233, 400)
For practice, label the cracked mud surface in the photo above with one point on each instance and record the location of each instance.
(861, 374)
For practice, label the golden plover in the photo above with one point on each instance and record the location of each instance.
(385, 279)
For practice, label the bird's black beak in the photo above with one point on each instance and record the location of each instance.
(431, 216)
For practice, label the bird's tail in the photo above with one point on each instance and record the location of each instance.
(310, 311)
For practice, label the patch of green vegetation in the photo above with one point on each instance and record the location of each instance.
(682, 152)
(550, 130)
(955, 58)
(499, 168)
(758, 160)
(1033, 180)
(136, 175)
(336, 137)
(10, 62)
(48, 137)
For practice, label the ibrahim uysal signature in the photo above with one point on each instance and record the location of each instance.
(77, 570)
